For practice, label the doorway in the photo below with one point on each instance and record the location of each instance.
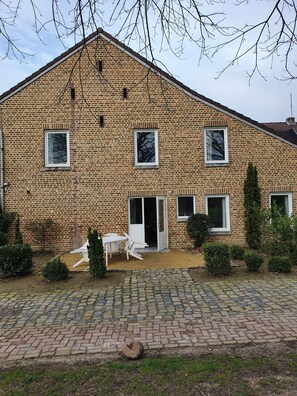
(148, 221)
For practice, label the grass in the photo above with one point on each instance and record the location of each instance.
(210, 375)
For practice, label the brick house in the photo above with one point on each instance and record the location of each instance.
(100, 137)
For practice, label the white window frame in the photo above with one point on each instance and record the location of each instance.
(177, 207)
(47, 163)
(146, 164)
(227, 209)
(226, 160)
(290, 200)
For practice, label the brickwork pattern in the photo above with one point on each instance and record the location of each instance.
(162, 309)
(94, 190)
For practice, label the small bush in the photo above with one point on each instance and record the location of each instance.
(217, 259)
(253, 261)
(96, 257)
(39, 230)
(55, 270)
(236, 252)
(15, 260)
(293, 255)
(198, 226)
(3, 238)
(279, 264)
(18, 238)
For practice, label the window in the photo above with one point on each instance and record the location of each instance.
(185, 206)
(216, 146)
(146, 147)
(57, 149)
(281, 201)
(217, 208)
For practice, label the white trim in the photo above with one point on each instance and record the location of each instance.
(290, 200)
(177, 206)
(227, 209)
(226, 151)
(146, 164)
(50, 165)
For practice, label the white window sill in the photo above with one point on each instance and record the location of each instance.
(214, 164)
(221, 232)
(146, 166)
(56, 168)
(182, 219)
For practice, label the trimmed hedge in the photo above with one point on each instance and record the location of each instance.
(253, 261)
(55, 270)
(15, 260)
(237, 252)
(279, 264)
(217, 259)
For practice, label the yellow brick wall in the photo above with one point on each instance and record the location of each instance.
(94, 191)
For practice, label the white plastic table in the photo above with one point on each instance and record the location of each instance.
(107, 241)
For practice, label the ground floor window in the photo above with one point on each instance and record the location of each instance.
(282, 202)
(217, 208)
(185, 206)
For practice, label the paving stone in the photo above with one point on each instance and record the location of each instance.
(160, 308)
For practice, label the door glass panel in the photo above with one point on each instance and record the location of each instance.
(136, 211)
(161, 215)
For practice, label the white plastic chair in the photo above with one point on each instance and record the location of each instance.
(132, 245)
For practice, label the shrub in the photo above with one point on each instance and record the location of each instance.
(253, 261)
(198, 226)
(279, 264)
(39, 230)
(15, 260)
(252, 203)
(236, 252)
(55, 270)
(3, 238)
(5, 220)
(96, 257)
(217, 259)
(18, 238)
(293, 255)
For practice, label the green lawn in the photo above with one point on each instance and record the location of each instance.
(209, 375)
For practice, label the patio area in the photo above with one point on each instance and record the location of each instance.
(173, 259)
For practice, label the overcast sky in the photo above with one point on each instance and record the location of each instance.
(261, 100)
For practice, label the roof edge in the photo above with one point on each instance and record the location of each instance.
(179, 85)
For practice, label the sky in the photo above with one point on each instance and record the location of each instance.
(264, 100)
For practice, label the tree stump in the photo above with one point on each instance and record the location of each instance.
(133, 351)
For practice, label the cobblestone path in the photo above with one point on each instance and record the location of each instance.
(162, 308)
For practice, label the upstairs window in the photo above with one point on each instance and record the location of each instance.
(57, 149)
(146, 147)
(185, 206)
(281, 202)
(216, 146)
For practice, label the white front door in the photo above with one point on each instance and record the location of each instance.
(148, 221)
(136, 219)
(162, 223)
